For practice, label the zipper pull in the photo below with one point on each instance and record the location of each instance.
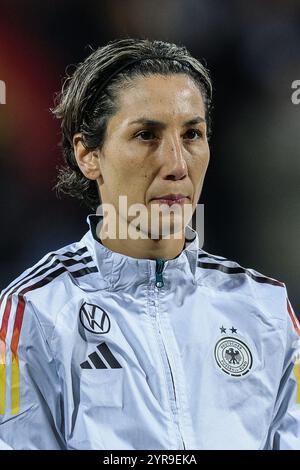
(160, 263)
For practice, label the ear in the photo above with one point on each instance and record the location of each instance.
(87, 160)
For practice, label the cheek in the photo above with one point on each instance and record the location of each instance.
(197, 170)
(199, 164)
(129, 176)
(119, 168)
(137, 164)
(125, 159)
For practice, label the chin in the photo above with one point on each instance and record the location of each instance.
(166, 227)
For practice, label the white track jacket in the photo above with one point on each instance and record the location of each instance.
(99, 350)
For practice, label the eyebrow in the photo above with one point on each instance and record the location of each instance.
(153, 123)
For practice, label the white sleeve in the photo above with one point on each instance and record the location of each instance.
(285, 429)
(30, 397)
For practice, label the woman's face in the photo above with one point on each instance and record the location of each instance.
(156, 144)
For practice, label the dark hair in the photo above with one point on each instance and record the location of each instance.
(89, 98)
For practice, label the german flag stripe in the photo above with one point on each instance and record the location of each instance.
(15, 374)
(293, 317)
(5, 319)
(297, 377)
(3, 333)
(15, 378)
(2, 376)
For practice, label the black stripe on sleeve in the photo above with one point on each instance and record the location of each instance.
(34, 272)
(239, 270)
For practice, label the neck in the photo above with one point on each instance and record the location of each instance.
(148, 248)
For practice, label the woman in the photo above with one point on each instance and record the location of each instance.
(134, 337)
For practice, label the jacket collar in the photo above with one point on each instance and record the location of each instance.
(119, 270)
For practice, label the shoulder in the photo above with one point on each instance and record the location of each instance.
(228, 277)
(42, 289)
(224, 265)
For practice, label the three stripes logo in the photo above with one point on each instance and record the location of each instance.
(103, 358)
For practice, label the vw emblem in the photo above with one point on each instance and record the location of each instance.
(94, 319)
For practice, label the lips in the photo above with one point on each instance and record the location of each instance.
(170, 199)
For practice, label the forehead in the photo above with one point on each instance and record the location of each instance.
(160, 96)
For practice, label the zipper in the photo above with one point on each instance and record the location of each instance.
(160, 264)
(159, 282)
(182, 441)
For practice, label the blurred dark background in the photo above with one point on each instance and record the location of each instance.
(252, 189)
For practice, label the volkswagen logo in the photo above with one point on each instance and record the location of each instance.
(94, 319)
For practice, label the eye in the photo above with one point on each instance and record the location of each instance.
(145, 135)
(194, 134)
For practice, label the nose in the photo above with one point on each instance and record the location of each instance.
(174, 163)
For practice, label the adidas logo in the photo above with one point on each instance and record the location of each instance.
(96, 359)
